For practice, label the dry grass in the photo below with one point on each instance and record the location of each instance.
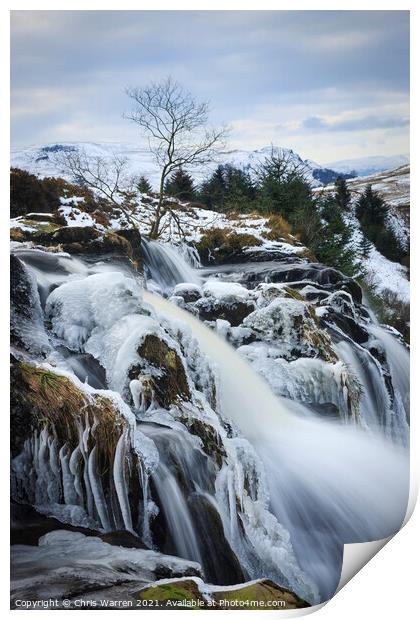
(60, 407)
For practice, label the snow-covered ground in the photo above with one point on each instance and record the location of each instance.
(394, 187)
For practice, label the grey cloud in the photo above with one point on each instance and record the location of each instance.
(364, 123)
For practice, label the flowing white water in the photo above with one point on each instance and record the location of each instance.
(166, 266)
(329, 483)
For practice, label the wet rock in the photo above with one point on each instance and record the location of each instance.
(220, 564)
(28, 525)
(262, 592)
(170, 382)
(211, 309)
(348, 325)
(220, 245)
(187, 593)
(26, 319)
(188, 292)
(132, 235)
(181, 593)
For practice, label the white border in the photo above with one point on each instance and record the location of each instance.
(387, 585)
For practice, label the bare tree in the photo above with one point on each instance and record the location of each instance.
(175, 124)
(107, 176)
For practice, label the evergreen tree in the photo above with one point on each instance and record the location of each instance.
(372, 213)
(342, 194)
(144, 186)
(228, 189)
(371, 208)
(365, 247)
(213, 190)
(332, 244)
(283, 188)
(180, 185)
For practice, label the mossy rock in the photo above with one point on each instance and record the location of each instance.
(42, 399)
(260, 595)
(110, 243)
(171, 385)
(167, 595)
(39, 229)
(220, 245)
(71, 234)
(210, 438)
(265, 595)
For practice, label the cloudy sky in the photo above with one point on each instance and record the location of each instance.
(329, 84)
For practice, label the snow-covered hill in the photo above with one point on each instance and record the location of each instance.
(365, 166)
(394, 187)
(43, 160)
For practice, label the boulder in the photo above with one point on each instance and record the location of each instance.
(188, 593)
(170, 382)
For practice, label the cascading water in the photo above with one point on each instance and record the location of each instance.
(165, 266)
(320, 483)
(341, 486)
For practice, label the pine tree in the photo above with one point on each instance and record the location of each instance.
(342, 194)
(180, 185)
(213, 190)
(143, 185)
(371, 208)
(372, 213)
(365, 247)
(332, 245)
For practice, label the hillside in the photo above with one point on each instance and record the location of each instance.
(365, 166)
(43, 160)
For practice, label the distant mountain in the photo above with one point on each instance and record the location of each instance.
(43, 161)
(369, 165)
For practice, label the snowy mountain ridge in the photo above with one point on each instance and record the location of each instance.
(42, 160)
(365, 166)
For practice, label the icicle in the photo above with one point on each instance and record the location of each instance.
(98, 494)
(83, 449)
(54, 486)
(147, 538)
(120, 482)
(75, 466)
(70, 495)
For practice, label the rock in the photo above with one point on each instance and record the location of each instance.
(348, 325)
(26, 318)
(262, 593)
(187, 593)
(28, 525)
(66, 235)
(49, 415)
(133, 236)
(211, 309)
(220, 245)
(170, 383)
(183, 593)
(220, 564)
(74, 566)
(293, 324)
(188, 292)
(84, 239)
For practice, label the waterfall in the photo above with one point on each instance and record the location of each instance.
(329, 483)
(166, 267)
(291, 489)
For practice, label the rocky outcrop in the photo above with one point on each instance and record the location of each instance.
(80, 239)
(188, 593)
(170, 383)
(72, 450)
